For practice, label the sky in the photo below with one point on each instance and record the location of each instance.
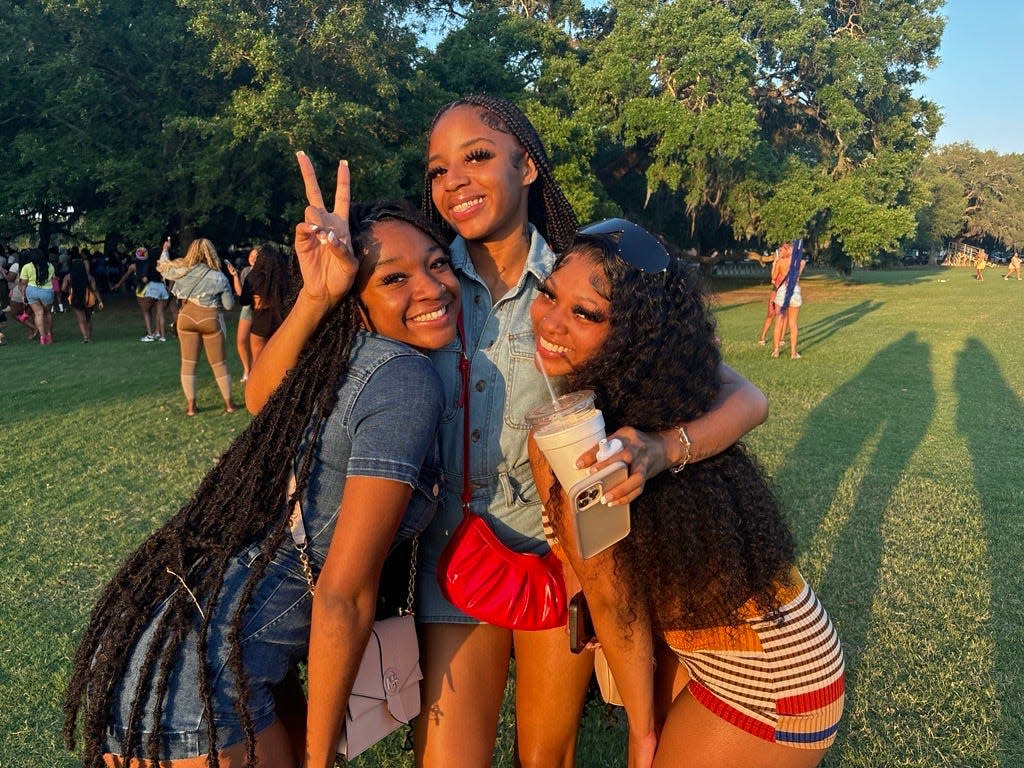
(979, 84)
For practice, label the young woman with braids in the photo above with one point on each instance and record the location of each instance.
(184, 645)
(708, 566)
(489, 183)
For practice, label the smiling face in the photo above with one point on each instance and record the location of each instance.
(479, 176)
(572, 315)
(407, 289)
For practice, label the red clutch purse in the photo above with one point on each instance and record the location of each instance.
(485, 579)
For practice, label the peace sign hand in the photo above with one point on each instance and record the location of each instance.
(322, 241)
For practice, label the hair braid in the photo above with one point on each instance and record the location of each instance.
(241, 500)
(548, 209)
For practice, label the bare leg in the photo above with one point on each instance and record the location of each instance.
(40, 314)
(83, 323)
(696, 738)
(551, 687)
(257, 343)
(243, 345)
(145, 306)
(791, 318)
(465, 667)
(158, 310)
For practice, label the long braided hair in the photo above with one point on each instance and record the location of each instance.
(548, 209)
(242, 500)
(710, 539)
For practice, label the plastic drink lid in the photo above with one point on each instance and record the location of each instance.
(567, 410)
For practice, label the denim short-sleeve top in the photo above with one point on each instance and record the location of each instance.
(383, 425)
(503, 386)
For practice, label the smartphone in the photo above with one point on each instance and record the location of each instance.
(598, 525)
(581, 628)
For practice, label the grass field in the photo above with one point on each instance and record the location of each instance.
(895, 444)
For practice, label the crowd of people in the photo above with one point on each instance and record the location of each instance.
(405, 364)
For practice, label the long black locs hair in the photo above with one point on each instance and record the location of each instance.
(241, 500)
(548, 209)
(709, 539)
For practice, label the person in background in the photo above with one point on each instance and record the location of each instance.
(266, 291)
(773, 310)
(172, 301)
(708, 567)
(16, 297)
(150, 292)
(76, 283)
(980, 262)
(786, 275)
(1014, 267)
(203, 289)
(242, 334)
(37, 284)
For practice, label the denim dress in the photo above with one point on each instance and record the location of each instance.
(503, 386)
(383, 425)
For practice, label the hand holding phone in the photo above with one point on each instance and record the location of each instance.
(598, 525)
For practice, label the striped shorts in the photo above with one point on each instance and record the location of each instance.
(778, 677)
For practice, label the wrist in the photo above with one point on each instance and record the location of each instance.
(683, 449)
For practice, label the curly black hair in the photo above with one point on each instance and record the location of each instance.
(240, 501)
(548, 209)
(709, 539)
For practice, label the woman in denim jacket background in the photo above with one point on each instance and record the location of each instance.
(489, 180)
(187, 642)
(204, 291)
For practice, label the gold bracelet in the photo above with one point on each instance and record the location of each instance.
(684, 438)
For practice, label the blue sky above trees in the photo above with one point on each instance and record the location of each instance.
(980, 81)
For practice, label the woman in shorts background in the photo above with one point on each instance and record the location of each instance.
(203, 620)
(242, 334)
(150, 293)
(266, 290)
(37, 284)
(708, 567)
(204, 291)
(786, 275)
(75, 284)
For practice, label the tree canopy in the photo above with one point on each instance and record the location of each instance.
(720, 123)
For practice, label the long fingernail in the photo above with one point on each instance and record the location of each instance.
(344, 162)
(332, 238)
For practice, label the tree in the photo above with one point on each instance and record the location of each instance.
(975, 194)
(762, 118)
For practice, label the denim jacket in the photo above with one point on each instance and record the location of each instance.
(206, 287)
(383, 425)
(503, 386)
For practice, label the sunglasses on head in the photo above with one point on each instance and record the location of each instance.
(634, 245)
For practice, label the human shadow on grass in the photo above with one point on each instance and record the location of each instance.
(814, 333)
(991, 416)
(874, 407)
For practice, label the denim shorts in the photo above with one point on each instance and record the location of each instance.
(275, 636)
(34, 293)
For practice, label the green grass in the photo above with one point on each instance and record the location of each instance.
(895, 444)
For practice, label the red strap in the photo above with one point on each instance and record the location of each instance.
(467, 494)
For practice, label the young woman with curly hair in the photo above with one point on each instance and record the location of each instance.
(489, 183)
(708, 566)
(185, 646)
